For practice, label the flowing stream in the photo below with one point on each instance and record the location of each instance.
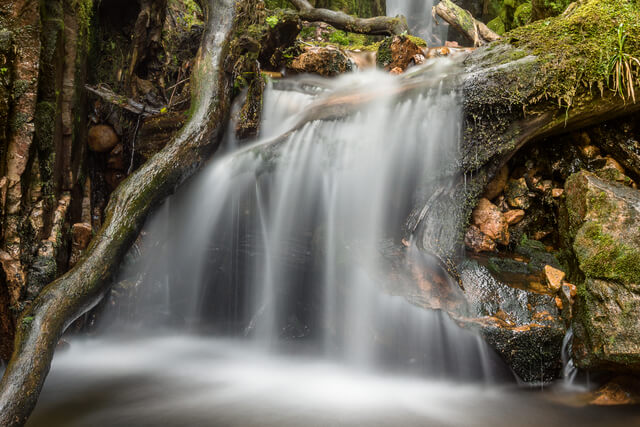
(266, 293)
(420, 20)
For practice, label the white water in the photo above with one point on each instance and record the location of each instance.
(288, 244)
(420, 20)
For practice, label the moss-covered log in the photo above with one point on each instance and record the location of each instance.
(463, 21)
(380, 25)
(82, 287)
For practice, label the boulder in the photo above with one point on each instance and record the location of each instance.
(524, 327)
(488, 218)
(102, 138)
(603, 225)
(514, 216)
(325, 61)
(399, 52)
(477, 241)
(517, 194)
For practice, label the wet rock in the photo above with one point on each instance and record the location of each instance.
(554, 278)
(603, 224)
(517, 194)
(102, 138)
(398, 52)
(514, 216)
(477, 241)
(325, 61)
(524, 327)
(557, 192)
(609, 169)
(590, 151)
(496, 186)
(618, 391)
(489, 220)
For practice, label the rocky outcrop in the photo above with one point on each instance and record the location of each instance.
(399, 52)
(603, 224)
(524, 327)
(325, 61)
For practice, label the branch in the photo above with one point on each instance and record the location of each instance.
(81, 288)
(463, 21)
(380, 25)
(122, 101)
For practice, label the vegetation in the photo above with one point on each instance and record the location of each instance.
(623, 68)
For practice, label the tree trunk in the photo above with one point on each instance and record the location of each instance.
(381, 25)
(82, 287)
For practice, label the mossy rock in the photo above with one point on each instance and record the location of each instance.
(604, 225)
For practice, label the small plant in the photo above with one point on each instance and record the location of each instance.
(621, 68)
(272, 21)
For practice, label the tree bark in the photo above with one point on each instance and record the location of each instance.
(464, 22)
(71, 295)
(380, 25)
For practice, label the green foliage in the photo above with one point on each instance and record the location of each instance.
(272, 21)
(623, 68)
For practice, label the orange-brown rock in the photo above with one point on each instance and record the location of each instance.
(557, 192)
(558, 303)
(325, 61)
(488, 218)
(554, 278)
(496, 186)
(102, 138)
(116, 158)
(619, 391)
(590, 151)
(396, 71)
(400, 52)
(514, 216)
(476, 241)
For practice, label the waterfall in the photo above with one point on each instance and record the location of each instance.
(420, 20)
(288, 240)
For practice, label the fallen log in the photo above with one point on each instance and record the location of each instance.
(81, 288)
(123, 102)
(463, 21)
(380, 25)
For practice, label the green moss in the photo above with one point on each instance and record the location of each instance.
(600, 256)
(574, 50)
(497, 25)
(522, 15)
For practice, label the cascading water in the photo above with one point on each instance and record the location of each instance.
(420, 20)
(266, 292)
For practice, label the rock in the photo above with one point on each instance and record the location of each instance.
(558, 303)
(619, 391)
(363, 60)
(524, 327)
(325, 61)
(396, 71)
(116, 158)
(554, 278)
(603, 224)
(488, 218)
(557, 192)
(497, 184)
(514, 216)
(398, 52)
(609, 169)
(102, 138)
(590, 151)
(477, 241)
(517, 194)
